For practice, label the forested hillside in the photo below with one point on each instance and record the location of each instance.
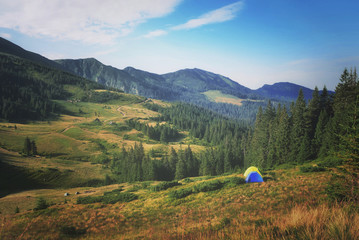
(27, 89)
(326, 125)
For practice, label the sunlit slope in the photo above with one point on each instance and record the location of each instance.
(219, 97)
(289, 205)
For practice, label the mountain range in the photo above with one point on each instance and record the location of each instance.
(177, 85)
(187, 85)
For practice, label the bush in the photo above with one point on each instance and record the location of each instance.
(208, 186)
(187, 180)
(164, 185)
(118, 190)
(180, 193)
(331, 162)
(72, 231)
(41, 204)
(122, 197)
(306, 169)
(235, 181)
(108, 198)
(88, 200)
(340, 188)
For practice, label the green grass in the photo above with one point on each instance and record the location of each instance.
(76, 133)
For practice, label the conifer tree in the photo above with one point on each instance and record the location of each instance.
(255, 154)
(180, 169)
(282, 142)
(27, 146)
(298, 130)
(320, 129)
(33, 147)
(173, 159)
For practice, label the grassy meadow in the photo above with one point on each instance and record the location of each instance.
(290, 204)
(218, 96)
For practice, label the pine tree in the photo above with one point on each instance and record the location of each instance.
(180, 169)
(320, 129)
(298, 130)
(283, 136)
(173, 159)
(256, 153)
(33, 147)
(27, 146)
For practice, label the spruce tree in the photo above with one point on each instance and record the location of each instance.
(33, 147)
(298, 130)
(180, 169)
(282, 142)
(256, 152)
(27, 146)
(173, 159)
(320, 129)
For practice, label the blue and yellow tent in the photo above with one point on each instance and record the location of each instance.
(252, 174)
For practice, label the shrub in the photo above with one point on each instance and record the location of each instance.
(88, 200)
(72, 231)
(118, 190)
(187, 180)
(306, 169)
(235, 181)
(180, 193)
(108, 198)
(122, 197)
(164, 185)
(340, 188)
(208, 186)
(331, 162)
(41, 204)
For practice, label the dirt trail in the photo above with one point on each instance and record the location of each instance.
(119, 109)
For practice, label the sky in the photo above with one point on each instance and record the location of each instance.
(253, 42)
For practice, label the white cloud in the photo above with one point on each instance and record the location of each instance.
(155, 33)
(88, 21)
(223, 14)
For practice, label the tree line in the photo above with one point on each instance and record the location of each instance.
(306, 131)
(324, 126)
(133, 164)
(160, 132)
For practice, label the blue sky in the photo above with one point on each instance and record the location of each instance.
(254, 42)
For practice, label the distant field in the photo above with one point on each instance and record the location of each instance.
(72, 147)
(218, 96)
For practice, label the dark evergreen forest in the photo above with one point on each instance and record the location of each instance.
(327, 125)
(27, 89)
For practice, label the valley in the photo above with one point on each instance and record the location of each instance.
(140, 162)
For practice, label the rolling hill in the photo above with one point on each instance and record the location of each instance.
(8, 47)
(284, 91)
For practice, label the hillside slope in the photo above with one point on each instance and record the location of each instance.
(284, 207)
(13, 49)
(202, 81)
(285, 91)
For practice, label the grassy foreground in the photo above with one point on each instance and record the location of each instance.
(289, 205)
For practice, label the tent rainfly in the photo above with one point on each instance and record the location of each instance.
(252, 174)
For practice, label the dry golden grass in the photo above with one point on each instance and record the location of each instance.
(218, 96)
(293, 207)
